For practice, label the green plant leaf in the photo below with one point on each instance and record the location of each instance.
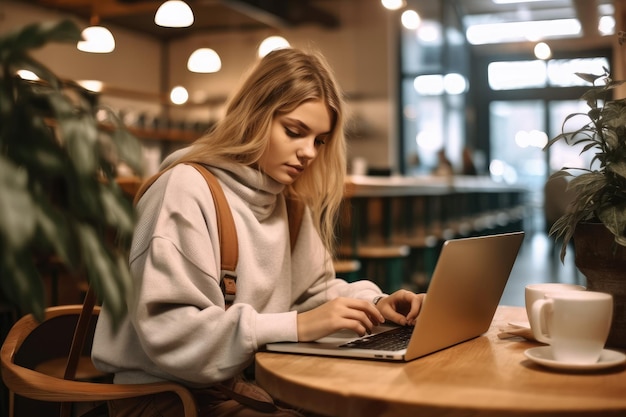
(614, 218)
(54, 228)
(99, 264)
(129, 149)
(81, 140)
(17, 222)
(57, 172)
(119, 212)
(36, 35)
(21, 283)
(590, 78)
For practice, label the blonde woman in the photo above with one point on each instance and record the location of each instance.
(282, 136)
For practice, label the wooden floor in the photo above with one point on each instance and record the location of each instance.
(538, 262)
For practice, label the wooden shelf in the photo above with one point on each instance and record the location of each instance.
(174, 135)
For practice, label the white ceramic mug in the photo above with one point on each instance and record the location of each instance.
(534, 292)
(577, 324)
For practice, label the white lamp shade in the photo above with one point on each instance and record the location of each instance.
(94, 86)
(97, 39)
(272, 43)
(174, 14)
(27, 75)
(204, 60)
(179, 95)
(393, 4)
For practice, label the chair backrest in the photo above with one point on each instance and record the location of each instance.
(44, 347)
(30, 344)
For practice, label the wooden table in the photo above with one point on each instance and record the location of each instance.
(486, 376)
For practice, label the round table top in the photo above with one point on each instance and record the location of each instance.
(486, 376)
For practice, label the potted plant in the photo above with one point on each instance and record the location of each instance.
(57, 177)
(596, 218)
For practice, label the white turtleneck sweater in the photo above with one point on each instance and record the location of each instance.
(177, 327)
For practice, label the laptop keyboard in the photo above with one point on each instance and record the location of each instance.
(392, 340)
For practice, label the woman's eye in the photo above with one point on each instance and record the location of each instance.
(320, 141)
(291, 133)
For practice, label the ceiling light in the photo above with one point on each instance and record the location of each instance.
(429, 85)
(542, 51)
(179, 95)
(272, 43)
(454, 84)
(520, 31)
(96, 39)
(95, 86)
(515, 1)
(204, 60)
(174, 14)
(606, 25)
(27, 75)
(410, 19)
(393, 4)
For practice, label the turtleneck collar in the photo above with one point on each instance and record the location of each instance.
(253, 186)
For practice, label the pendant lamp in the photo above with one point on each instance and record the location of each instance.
(96, 39)
(179, 95)
(174, 14)
(393, 4)
(204, 60)
(272, 43)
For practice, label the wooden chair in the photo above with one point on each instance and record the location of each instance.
(31, 349)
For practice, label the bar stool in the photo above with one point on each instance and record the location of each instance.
(347, 269)
(365, 234)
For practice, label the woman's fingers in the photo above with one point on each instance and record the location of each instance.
(401, 307)
(416, 306)
(340, 313)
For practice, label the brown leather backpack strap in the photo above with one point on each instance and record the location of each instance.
(229, 248)
(227, 232)
(295, 212)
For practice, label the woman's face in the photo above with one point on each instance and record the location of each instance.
(295, 139)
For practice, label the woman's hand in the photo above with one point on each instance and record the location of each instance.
(341, 313)
(401, 307)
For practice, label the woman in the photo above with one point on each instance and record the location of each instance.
(282, 135)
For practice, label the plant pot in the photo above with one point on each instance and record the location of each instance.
(603, 262)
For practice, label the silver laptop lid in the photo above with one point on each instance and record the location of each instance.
(466, 287)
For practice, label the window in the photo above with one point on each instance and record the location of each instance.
(533, 100)
(433, 89)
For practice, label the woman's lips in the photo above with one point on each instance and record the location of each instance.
(295, 170)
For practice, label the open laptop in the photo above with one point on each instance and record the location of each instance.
(462, 298)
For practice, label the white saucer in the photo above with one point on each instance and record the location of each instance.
(543, 356)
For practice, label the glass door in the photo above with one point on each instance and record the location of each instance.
(518, 136)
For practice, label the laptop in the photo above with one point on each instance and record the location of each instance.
(464, 292)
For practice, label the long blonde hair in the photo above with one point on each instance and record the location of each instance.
(279, 83)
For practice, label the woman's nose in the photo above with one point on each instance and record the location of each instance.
(308, 150)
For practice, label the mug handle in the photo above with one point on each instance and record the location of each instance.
(538, 319)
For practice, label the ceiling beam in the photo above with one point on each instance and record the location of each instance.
(284, 13)
(104, 8)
